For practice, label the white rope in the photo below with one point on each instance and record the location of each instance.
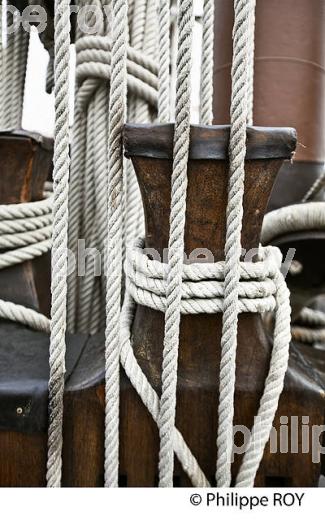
(309, 216)
(150, 398)
(237, 152)
(272, 390)
(262, 289)
(117, 116)
(241, 112)
(147, 283)
(25, 233)
(206, 85)
(164, 61)
(176, 244)
(13, 71)
(59, 242)
(25, 316)
(309, 327)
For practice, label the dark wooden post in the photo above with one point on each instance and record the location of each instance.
(150, 148)
(25, 163)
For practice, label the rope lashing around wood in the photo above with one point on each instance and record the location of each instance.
(25, 234)
(202, 286)
(262, 289)
(25, 230)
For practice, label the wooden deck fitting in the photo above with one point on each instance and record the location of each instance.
(24, 369)
(150, 148)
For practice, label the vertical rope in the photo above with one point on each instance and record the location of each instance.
(164, 62)
(117, 114)
(237, 152)
(206, 85)
(59, 241)
(176, 244)
(250, 72)
(13, 71)
(2, 69)
(138, 111)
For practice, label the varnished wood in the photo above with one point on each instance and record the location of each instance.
(25, 164)
(199, 354)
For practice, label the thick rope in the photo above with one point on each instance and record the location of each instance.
(250, 72)
(139, 111)
(309, 327)
(261, 289)
(206, 85)
(202, 285)
(273, 387)
(237, 152)
(164, 61)
(59, 242)
(294, 218)
(176, 244)
(117, 115)
(14, 62)
(25, 233)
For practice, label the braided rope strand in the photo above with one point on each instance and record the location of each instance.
(176, 244)
(237, 152)
(59, 241)
(206, 85)
(164, 61)
(117, 114)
